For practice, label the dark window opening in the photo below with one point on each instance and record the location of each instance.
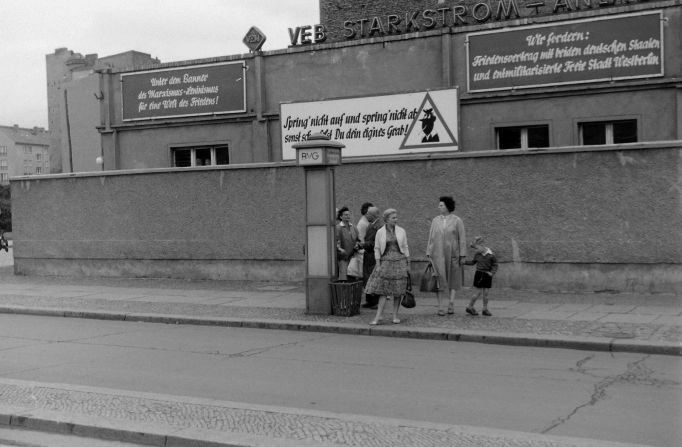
(200, 156)
(608, 132)
(509, 137)
(182, 158)
(222, 155)
(594, 133)
(625, 131)
(203, 157)
(522, 137)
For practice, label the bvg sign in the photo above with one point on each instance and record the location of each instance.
(318, 156)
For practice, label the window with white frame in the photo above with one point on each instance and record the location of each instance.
(608, 132)
(3, 150)
(522, 137)
(39, 170)
(200, 156)
(3, 165)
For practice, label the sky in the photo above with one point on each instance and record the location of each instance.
(170, 30)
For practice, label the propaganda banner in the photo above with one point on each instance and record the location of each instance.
(419, 122)
(596, 49)
(210, 89)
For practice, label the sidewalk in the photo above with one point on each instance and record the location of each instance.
(617, 322)
(649, 324)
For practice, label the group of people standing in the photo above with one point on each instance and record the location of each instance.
(382, 246)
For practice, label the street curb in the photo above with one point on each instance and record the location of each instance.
(511, 339)
(106, 433)
(160, 432)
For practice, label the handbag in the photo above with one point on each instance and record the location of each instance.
(407, 300)
(429, 281)
(355, 265)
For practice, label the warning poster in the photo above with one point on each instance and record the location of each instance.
(376, 125)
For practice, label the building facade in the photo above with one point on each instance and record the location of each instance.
(73, 102)
(558, 132)
(23, 152)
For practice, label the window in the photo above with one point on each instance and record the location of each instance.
(39, 170)
(608, 132)
(200, 156)
(4, 178)
(39, 156)
(522, 137)
(3, 165)
(3, 150)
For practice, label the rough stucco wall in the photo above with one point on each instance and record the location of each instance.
(200, 214)
(582, 207)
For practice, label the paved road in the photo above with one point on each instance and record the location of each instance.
(623, 397)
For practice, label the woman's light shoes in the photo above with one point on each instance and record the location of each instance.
(375, 322)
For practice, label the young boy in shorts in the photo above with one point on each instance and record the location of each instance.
(486, 267)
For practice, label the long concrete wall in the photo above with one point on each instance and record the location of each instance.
(600, 218)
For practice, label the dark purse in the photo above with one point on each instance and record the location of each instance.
(407, 299)
(429, 282)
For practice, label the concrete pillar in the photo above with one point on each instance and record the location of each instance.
(318, 156)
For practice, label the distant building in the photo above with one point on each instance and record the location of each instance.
(23, 152)
(73, 100)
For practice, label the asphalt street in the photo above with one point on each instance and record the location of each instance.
(625, 397)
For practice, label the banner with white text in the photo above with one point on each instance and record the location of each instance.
(376, 125)
(603, 48)
(210, 89)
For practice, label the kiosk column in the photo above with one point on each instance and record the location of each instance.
(318, 156)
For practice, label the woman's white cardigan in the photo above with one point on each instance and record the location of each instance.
(380, 242)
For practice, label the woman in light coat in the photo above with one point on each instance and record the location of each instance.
(389, 278)
(447, 250)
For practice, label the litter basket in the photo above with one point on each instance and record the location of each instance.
(346, 297)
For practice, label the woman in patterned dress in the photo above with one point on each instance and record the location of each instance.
(389, 278)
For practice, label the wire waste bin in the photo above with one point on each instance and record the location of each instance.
(346, 297)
